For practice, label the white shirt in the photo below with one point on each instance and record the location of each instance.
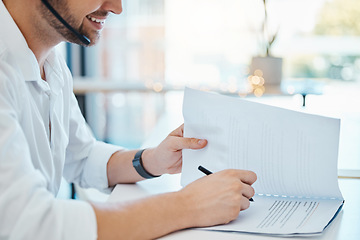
(33, 161)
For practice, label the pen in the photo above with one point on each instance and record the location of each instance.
(207, 172)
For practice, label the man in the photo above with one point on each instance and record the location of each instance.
(43, 137)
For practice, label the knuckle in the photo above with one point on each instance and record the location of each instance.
(245, 204)
(169, 139)
(193, 141)
(231, 172)
(173, 143)
(235, 198)
(236, 187)
(252, 191)
(253, 175)
(189, 142)
(238, 201)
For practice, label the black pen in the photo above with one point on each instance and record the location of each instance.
(207, 172)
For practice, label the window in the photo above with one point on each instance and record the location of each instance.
(158, 45)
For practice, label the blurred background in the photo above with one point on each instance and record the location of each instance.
(131, 84)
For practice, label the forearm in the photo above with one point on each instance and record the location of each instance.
(211, 200)
(143, 219)
(120, 169)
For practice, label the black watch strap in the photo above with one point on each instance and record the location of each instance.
(139, 167)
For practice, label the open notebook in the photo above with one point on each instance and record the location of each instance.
(294, 155)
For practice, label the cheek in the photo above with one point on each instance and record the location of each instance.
(82, 8)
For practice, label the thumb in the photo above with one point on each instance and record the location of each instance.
(190, 143)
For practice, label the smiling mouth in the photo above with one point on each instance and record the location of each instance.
(96, 20)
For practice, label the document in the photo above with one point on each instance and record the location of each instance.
(294, 155)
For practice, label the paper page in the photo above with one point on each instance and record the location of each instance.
(277, 215)
(292, 153)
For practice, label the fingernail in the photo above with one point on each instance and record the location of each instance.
(201, 141)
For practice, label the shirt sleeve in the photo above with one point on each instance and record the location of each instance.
(27, 209)
(86, 158)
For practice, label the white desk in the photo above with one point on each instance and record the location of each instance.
(345, 226)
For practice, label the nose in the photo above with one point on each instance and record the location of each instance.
(114, 6)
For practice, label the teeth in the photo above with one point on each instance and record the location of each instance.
(96, 20)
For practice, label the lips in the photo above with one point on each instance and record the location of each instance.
(96, 20)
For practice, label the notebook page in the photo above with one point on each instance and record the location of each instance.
(278, 215)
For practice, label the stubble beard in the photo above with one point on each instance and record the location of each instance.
(64, 11)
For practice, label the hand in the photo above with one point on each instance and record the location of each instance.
(213, 199)
(167, 157)
(218, 198)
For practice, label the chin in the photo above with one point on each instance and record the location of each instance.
(94, 38)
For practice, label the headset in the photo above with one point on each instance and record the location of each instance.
(81, 37)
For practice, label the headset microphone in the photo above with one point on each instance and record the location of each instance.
(82, 38)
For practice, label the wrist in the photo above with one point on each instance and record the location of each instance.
(187, 209)
(149, 162)
(138, 164)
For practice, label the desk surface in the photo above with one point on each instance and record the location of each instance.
(345, 226)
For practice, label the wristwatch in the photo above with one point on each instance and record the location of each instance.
(139, 167)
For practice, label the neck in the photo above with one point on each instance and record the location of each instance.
(33, 27)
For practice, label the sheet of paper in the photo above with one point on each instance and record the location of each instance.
(292, 153)
(277, 215)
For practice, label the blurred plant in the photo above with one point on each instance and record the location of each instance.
(268, 36)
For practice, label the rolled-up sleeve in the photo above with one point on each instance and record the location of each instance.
(86, 158)
(95, 172)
